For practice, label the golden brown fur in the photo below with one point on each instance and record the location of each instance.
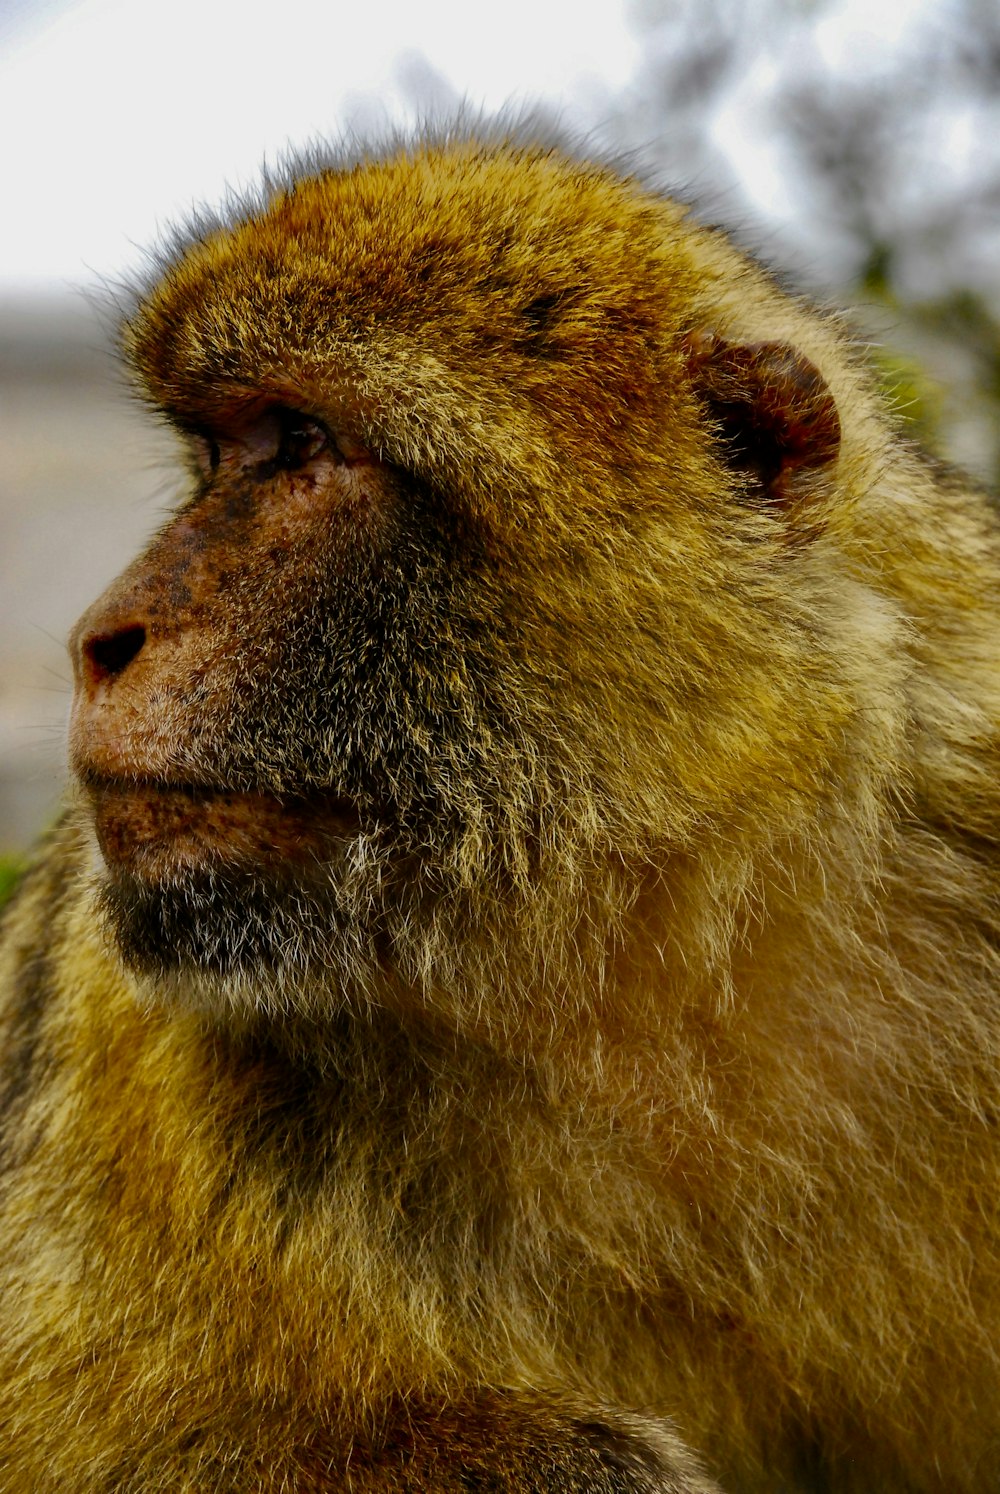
(551, 843)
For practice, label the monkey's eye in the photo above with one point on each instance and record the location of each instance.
(275, 439)
(300, 438)
(207, 453)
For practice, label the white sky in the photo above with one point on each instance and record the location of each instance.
(118, 115)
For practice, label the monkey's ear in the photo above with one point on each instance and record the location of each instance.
(774, 412)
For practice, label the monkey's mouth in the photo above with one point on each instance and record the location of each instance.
(154, 829)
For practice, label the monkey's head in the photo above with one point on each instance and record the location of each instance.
(494, 592)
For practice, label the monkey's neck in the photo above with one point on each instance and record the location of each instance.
(457, 1211)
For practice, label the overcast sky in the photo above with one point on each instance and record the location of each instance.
(118, 115)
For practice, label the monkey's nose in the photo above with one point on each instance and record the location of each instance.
(129, 683)
(105, 655)
(102, 647)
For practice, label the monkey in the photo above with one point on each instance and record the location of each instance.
(511, 1002)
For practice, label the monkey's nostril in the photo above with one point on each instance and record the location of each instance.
(108, 654)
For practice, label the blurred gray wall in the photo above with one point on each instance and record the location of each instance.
(84, 475)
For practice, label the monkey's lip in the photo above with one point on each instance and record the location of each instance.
(151, 828)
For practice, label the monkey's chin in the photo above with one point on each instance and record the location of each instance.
(220, 887)
(223, 936)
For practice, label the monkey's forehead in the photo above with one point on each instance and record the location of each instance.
(438, 296)
(462, 251)
(452, 211)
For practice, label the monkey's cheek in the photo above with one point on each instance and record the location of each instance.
(156, 832)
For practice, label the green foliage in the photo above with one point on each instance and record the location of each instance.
(916, 398)
(10, 871)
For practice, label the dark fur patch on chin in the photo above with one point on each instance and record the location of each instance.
(220, 923)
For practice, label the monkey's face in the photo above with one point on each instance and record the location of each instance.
(458, 631)
(290, 721)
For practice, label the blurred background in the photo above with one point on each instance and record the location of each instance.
(855, 144)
